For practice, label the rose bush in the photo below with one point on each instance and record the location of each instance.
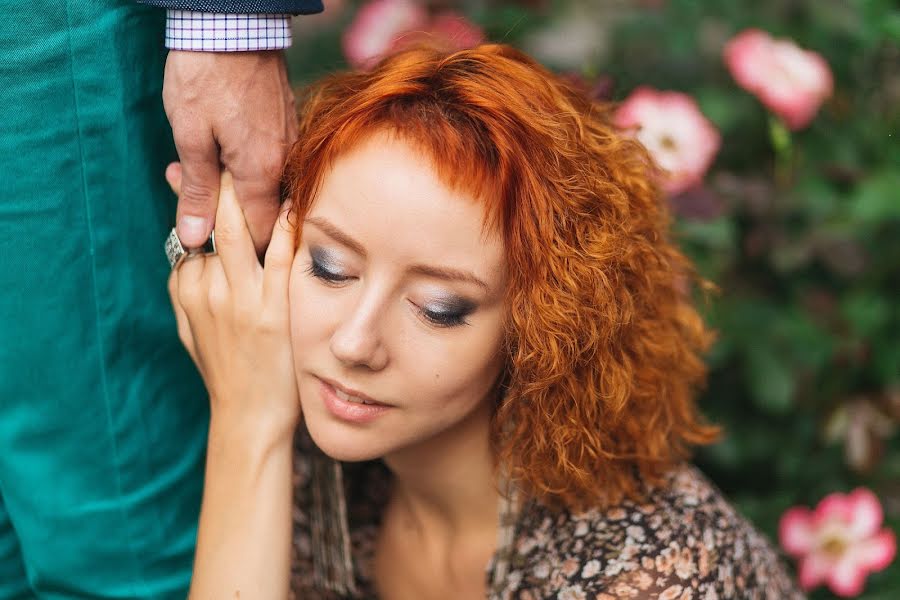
(795, 216)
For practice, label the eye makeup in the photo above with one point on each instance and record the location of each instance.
(449, 311)
(324, 265)
(440, 311)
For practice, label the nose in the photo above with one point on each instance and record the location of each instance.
(358, 341)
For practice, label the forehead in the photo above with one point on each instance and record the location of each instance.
(386, 194)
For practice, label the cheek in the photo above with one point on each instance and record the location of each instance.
(308, 317)
(462, 372)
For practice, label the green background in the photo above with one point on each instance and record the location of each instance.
(800, 233)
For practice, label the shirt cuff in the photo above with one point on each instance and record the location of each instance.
(214, 32)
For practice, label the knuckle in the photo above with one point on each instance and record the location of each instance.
(225, 232)
(245, 318)
(272, 162)
(185, 337)
(189, 296)
(218, 300)
(196, 194)
(192, 138)
(271, 321)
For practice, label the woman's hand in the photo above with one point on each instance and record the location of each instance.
(233, 319)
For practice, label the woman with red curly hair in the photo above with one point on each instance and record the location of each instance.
(473, 343)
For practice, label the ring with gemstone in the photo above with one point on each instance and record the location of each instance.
(176, 252)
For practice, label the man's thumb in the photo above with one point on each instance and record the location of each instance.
(197, 202)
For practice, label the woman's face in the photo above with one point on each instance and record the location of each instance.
(396, 299)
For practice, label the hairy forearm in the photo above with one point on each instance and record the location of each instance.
(244, 540)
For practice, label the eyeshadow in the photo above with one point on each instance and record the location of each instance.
(450, 304)
(324, 258)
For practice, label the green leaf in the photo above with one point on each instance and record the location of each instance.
(877, 198)
(770, 380)
(715, 234)
(866, 312)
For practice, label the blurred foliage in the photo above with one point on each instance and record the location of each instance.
(803, 243)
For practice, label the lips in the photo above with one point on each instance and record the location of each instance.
(350, 395)
(348, 398)
(350, 406)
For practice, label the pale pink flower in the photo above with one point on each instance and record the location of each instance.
(377, 28)
(384, 26)
(840, 542)
(454, 32)
(792, 82)
(670, 125)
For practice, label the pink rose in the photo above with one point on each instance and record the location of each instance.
(378, 26)
(679, 138)
(383, 26)
(454, 31)
(792, 82)
(840, 542)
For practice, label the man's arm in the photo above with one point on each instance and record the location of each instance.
(227, 97)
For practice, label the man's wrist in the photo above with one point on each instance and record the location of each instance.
(214, 32)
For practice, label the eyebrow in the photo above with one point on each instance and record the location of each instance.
(449, 273)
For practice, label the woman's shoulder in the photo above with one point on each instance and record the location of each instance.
(683, 541)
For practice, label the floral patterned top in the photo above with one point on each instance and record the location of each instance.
(685, 542)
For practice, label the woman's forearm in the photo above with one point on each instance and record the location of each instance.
(244, 540)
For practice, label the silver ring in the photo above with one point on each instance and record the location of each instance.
(176, 252)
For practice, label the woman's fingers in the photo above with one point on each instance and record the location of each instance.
(184, 327)
(280, 256)
(173, 176)
(233, 242)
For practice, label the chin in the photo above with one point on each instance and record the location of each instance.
(344, 443)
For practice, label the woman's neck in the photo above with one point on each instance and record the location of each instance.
(446, 487)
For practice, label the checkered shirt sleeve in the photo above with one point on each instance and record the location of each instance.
(214, 32)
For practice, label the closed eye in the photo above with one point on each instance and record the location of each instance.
(445, 319)
(319, 271)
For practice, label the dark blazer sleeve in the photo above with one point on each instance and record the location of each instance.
(297, 7)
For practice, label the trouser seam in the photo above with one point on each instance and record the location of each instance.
(88, 215)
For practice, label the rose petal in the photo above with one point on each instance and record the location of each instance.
(459, 32)
(877, 552)
(834, 507)
(847, 578)
(377, 27)
(670, 125)
(790, 81)
(866, 515)
(744, 56)
(813, 570)
(795, 531)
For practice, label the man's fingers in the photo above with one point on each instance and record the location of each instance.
(233, 242)
(199, 193)
(280, 255)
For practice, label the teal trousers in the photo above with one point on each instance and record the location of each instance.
(102, 416)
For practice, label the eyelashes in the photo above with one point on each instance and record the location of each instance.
(441, 319)
(324, 266)
(317, 270)
(451, 312)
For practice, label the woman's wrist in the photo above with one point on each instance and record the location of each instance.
(244, 538)
(249, 434)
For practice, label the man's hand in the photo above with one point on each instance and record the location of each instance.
(233, 110)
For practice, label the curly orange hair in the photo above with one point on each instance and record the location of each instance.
(604, 346)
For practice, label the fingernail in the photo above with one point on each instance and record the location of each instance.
(192, 230)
